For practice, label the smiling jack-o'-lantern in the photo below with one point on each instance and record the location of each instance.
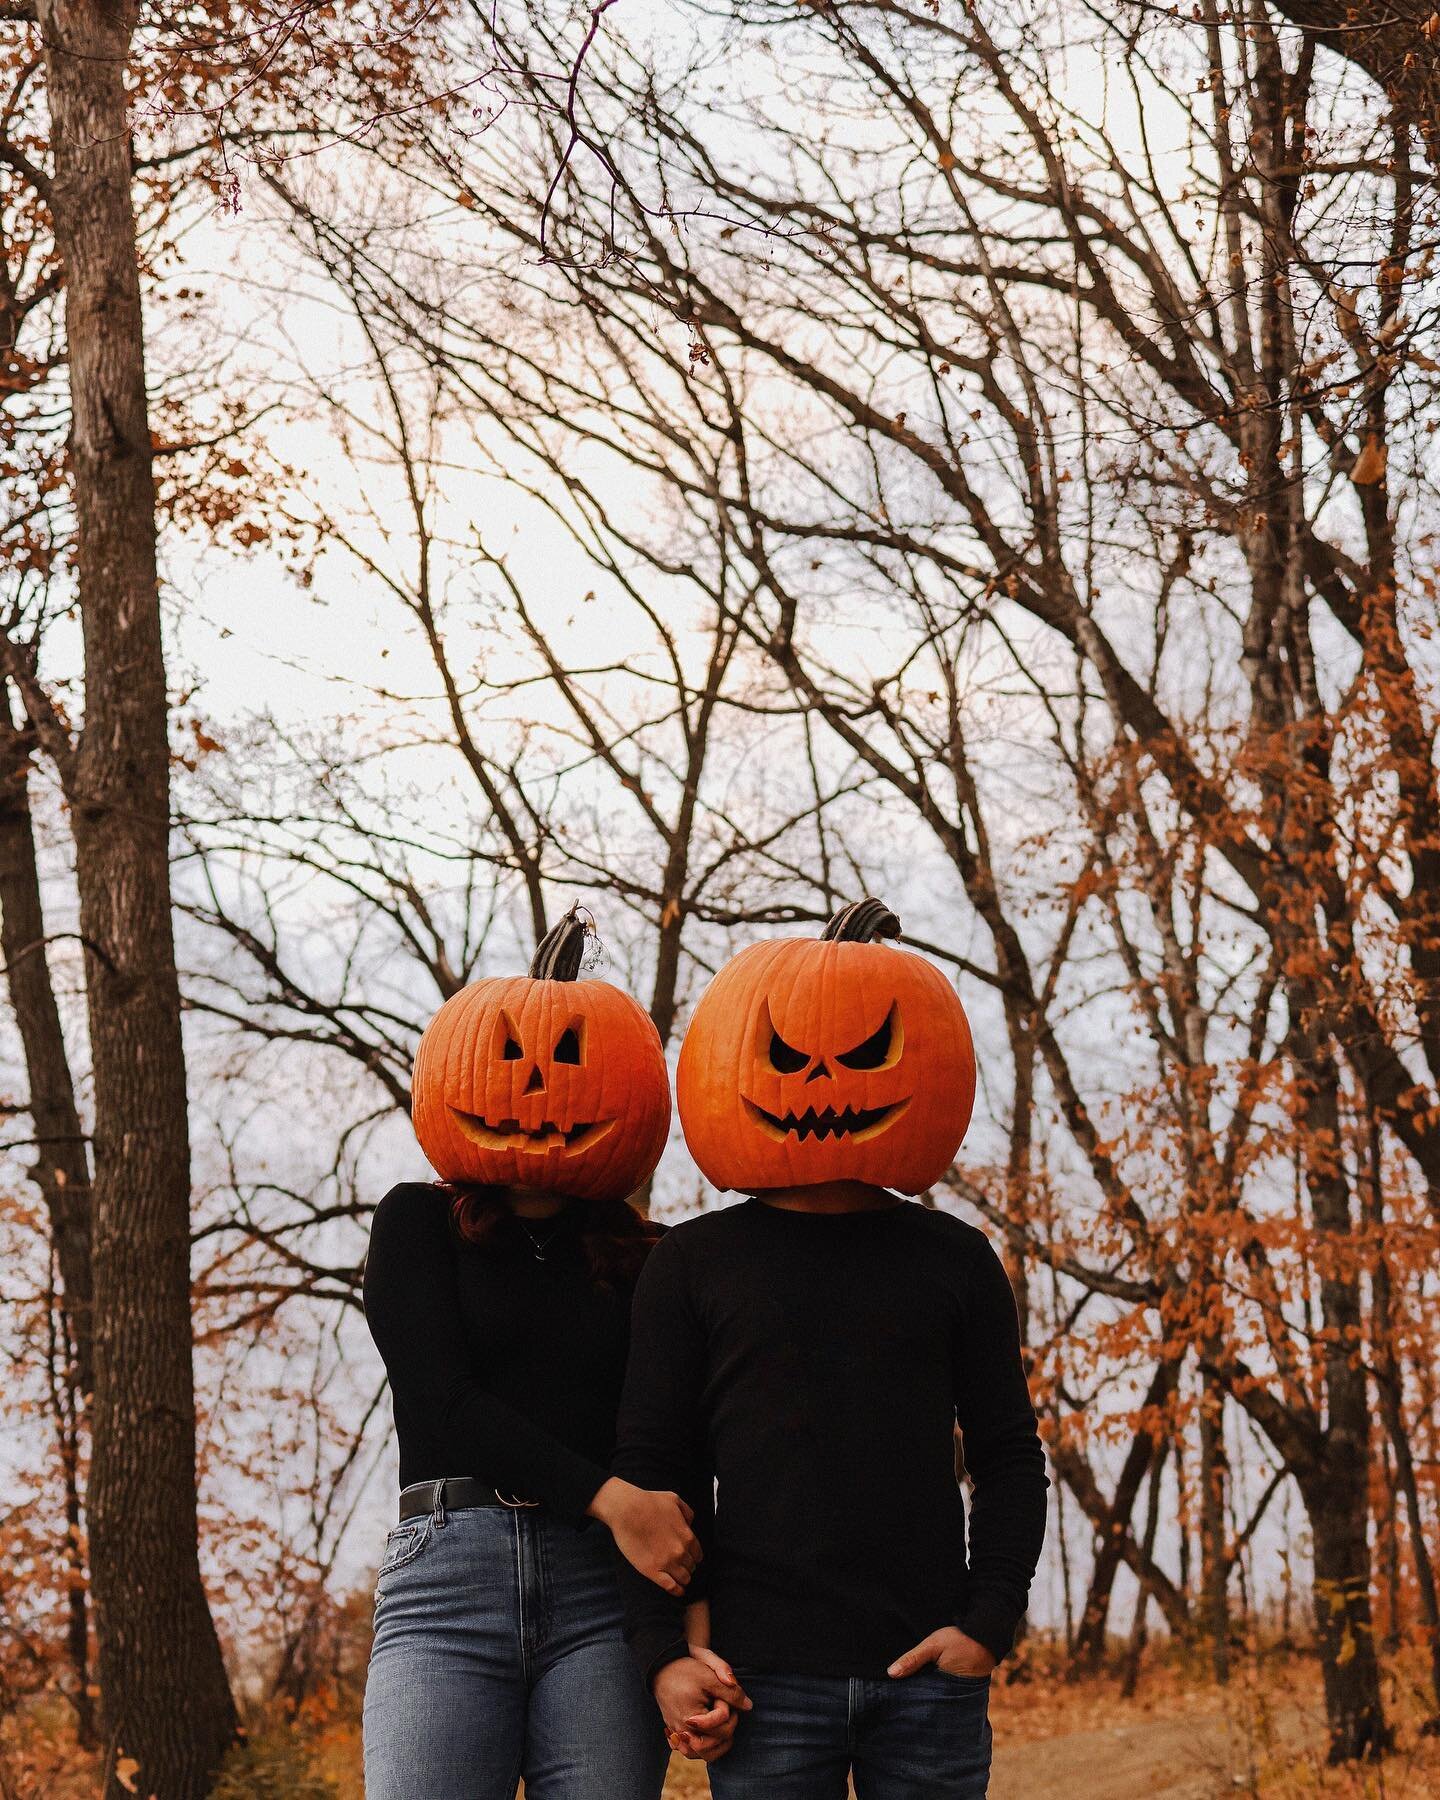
(830, 1059)
(543, 1081)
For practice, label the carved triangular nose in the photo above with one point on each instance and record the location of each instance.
(536, 1083)
(817, 1071)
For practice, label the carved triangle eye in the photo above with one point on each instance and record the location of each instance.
(785, 1057)
(509, 1039)
(876, 1050)
(567, 1046)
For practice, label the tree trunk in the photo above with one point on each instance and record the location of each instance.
(66, 1411)
(60, 1169)
(1144, 1454)
(1406, 1481)
(1214, 1560)
(1397, 45)
(1336, 1502)
(1387, 1542)
(1076, 1474)
(1138, 1625)
(1337, 1489)
(164, 1695)
(1390, 1392)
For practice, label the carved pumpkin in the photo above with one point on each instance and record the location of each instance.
(543, 1081)
(838, 1058)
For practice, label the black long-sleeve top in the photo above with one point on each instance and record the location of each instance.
(502, 1365)
(813, 1367)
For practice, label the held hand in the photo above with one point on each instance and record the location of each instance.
(707, 1735)
(721, 1669)
(700, 1701)
(699, 1747)
(652, 1532)
(949, 1650)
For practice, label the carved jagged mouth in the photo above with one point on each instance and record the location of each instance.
(510, 1134)
(854, 1122)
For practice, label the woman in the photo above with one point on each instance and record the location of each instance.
(499, 1299)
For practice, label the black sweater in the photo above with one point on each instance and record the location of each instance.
(813, 1367)
(501, 1366)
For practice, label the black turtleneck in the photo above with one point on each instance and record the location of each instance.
(504, 1364)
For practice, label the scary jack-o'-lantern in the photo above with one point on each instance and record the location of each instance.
(829, 1059)
(543, 1081)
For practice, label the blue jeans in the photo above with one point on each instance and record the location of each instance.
(926, 1737)
(497, 1657)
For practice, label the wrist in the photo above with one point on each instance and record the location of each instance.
(609, 1500)
(990, 1620)
(679, 1651)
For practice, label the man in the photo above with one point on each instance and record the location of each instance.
(805, 1357)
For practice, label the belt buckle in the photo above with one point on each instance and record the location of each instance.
(514, 1504)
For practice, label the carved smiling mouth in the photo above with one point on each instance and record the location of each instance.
(510, 1134)
(855, 1122)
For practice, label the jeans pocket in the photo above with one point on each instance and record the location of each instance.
(404, 1544)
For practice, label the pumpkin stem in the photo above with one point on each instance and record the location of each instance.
(862, 922)
(562, 949)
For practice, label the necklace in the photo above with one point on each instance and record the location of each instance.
(539, 1246)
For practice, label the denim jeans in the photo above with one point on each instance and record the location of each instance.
(926, 1737)
(497, 1657)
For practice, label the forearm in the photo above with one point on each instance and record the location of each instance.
(1003, 1457)
(653, 1621)
(660, 1443)
(1007, 1532)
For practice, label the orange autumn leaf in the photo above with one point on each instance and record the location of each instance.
(1371, 464)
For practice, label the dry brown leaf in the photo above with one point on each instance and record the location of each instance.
(1370, 464)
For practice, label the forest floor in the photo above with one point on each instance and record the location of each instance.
(1180, 1737)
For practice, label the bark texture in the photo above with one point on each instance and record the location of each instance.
(1214, 1561)
(61, 1167)
(164, 1694)
(1143, 1456)
(1336, 1505)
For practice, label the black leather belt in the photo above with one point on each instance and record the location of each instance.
(454, 1495)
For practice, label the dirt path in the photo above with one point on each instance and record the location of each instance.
(1177, 1759)
(1195, 1757)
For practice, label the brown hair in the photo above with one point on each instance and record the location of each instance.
(615, 1239)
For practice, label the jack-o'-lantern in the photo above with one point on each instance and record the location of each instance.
(829, 1059)
(543, 1081)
